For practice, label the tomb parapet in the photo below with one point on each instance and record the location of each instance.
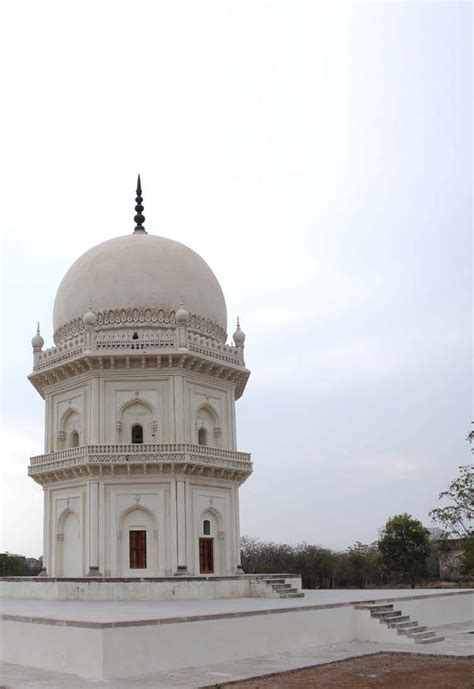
(163, 458)
(201, 355)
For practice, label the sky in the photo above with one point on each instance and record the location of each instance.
(318, 156)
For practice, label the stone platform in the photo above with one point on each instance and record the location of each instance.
(124, 638)
(152, 588)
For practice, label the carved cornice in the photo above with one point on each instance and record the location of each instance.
(219, 361)
(158, 459)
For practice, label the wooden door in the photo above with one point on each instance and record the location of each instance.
(138, 549)
(206, 555)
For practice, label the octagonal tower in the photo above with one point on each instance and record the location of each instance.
(141, 470)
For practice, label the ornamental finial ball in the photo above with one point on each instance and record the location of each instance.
(239, 335)
(90, 317)
(182, 316)
(37, 341)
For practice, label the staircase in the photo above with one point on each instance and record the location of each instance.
(283, 589)
(278, 587)
(402, 624)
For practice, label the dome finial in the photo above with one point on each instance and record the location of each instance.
(139, 218)
(37, 342)
(182, 315)
(239, 336)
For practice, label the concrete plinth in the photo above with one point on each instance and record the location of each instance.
(117, 639)
(183, 587)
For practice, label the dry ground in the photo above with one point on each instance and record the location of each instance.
(381, 671)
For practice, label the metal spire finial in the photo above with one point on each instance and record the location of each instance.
(139, 218)
(38, 329)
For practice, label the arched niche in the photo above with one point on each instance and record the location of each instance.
(69, 432)
(207, 427)
(210, 545)
(69, 545)
(134, 415)
(137, 542)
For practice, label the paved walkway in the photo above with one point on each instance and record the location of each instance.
(458, 643)
(122, 611)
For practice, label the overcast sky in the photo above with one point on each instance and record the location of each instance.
(319, 159)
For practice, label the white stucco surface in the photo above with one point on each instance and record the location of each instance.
(139, 270)
(458, 643)
(108, 639)
(114, 611)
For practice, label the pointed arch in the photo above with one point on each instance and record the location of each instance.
(207, 430)
(210, 550)
(137, 552)
(69, 432)
(69, 544)
(132, 401)
(214, 514)
(133, 413)
(207, 407)
(139, 508)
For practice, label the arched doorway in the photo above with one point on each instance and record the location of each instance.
(138, 551)
(69, 545)
(209, 545)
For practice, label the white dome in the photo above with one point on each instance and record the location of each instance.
(139, 271)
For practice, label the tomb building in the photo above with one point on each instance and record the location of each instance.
(140, 470)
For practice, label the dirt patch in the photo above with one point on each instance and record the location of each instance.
(381, 671)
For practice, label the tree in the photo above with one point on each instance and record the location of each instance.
(364, 564)
(404, 548)
(457, 517)
(11, 566)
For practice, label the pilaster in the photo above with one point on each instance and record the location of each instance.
(182, 567)
(179, 408)
(94, 412)
(45, 569)
(94, 529)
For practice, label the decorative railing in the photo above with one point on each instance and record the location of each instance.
(138, 453)
(147, 344)
(56, 355)
(143, 345)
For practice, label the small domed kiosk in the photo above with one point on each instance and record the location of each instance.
(141, 469)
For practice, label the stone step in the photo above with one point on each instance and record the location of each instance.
(292, 594)
(407, 630)
(396, 622)
(274, 581)
(374, 606)
(395, 618)
(280, 587)
(431, 640)
(385, 613)
(421, 635)
(393, 622)
(404, 625)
